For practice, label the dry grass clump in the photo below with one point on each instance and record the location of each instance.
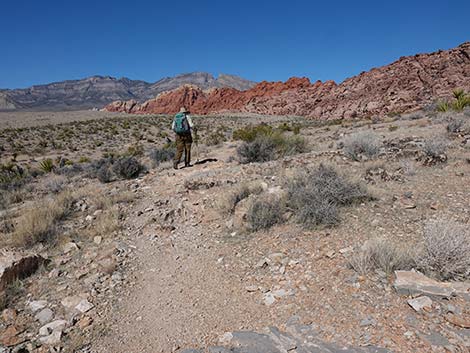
(265, 212)
(230, 200)
(105, 224)
(38, 224)
(362, 145)
(382, 254)
(316, 196)
(446, 250)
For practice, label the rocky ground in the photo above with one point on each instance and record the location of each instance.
(153, 265)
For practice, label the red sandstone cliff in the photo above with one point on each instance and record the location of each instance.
(409, 83)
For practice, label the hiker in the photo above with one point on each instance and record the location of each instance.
(182, 126)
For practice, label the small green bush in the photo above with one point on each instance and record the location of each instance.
(215, 139)
(250, 133)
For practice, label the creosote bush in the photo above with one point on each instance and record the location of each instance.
(362, 144)
(446, 250)
(127, 167)
(316, 195)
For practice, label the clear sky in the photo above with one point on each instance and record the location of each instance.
(47, 40)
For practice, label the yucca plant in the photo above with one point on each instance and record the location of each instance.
(462, 100)
(443, 107)
(46, 165)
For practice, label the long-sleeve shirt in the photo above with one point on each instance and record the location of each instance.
(188, 118)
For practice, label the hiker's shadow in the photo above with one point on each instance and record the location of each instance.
(207, 160)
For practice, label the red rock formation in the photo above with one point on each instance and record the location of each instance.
(407, 84)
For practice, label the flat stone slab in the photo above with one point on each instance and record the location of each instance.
(273, 340)
(415, 283)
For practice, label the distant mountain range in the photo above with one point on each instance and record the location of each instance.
(98, 91)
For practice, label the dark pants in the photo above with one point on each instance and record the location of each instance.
(183, 143)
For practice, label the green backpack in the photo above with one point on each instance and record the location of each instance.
(181, 124)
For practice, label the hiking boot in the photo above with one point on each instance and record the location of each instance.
(175, 165)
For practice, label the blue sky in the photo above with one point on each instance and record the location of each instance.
(45, 41)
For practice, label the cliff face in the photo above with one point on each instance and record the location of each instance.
(409, 83)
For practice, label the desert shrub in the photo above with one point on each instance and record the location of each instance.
(435, 146)
(315, 196)
(55, 184)
(295, 128)
(136, 150)
(230, 200)
(455, 125)
(215, 138)
(159, 155)
(269, 147)
(83, 159)
(46, 165)
(250, 133)
(11, 173)
(262, 149)
(104, 173)
(38, 224)
(265, 212)
(382, 254)
(446, 250)
(127, 167)
(362, 144)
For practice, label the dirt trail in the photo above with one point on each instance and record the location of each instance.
(183, 295)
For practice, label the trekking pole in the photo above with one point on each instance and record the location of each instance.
(196, 140)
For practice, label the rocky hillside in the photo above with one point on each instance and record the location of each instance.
(97, 91)
(5, 103)
(409, 83)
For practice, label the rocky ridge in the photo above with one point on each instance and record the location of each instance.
(410, 83)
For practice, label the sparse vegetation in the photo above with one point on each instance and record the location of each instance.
(461, 101)
(265, 212)
(230, 199)
(46, 165)
(127, 167)
(362, 145)
(160, 155)
(269, 147)
(316, 195)
(215, 138)
(435, 147)
(38, 224)
(446, 250)
(382, 254)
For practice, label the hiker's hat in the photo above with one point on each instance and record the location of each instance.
(184, 110)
